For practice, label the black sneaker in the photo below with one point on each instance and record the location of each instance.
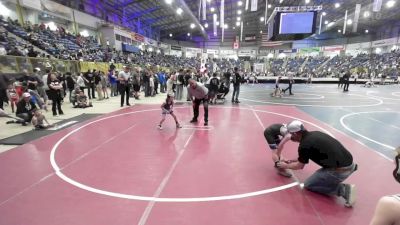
(193, 121)
(205, 123)
(349, 194)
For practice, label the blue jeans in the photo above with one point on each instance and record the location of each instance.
(329, 181)
(235, 94)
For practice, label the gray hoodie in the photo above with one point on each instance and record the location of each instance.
(199, 92)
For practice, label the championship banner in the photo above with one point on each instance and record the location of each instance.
(215, 24)
(222, 22)
(356, 17)
(377, 5)
(204, 5)
(254, 4)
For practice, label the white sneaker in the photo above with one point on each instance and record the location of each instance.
(159, 127)
(350, 195)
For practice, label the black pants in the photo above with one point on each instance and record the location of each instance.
(346, 85)
(236, 91)
(91, 87)
(124, 90)
(27, 117)
(196, 105)
(56, 106)
(289, 88)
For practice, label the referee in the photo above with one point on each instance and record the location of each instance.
(124, 88)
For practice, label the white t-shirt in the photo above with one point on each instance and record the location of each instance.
(124, 75)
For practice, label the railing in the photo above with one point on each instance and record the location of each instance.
(17, 64)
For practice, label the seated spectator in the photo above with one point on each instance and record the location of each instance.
(38, 120)
(82, 100)
(25, 108)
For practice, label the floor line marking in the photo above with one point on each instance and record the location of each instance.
(27, 189)
(147, 198)
(360, 135)
(379, 102)
(150, 205)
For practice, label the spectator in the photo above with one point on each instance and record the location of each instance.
(25, 108)
(55, 89)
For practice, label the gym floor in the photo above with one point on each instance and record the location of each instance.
(118, 168)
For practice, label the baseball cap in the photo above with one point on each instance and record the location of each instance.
(283, 129)
(26, 95)
(295, 126)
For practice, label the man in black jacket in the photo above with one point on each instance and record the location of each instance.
(237, 80)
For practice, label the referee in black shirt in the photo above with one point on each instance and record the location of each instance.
(336, 162)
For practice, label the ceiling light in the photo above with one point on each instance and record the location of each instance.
(170, 35)
(179, 11)
(239, 12)
(188, 34)
(390, 3)
(324, 13)
(261, 19)
(349, 22)
(326, 22)
(192, 25)
(331, 24)
(339, 31)
(280, 1)
(366, 14)
(237, 23)
(260, 31)
(206, 25)
(307, 1)
(238, 18)
(337, 5)
(168, 1)
(240, 3)
(217, 23)
(366, 31)
(212, 9)
(269, 6)
(226, 26)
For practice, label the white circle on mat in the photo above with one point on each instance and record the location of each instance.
(75, 183)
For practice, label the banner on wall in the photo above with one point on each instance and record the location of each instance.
(358, 46)
(384, 42)
(287, 51)
(212, 51)
(333, 48)
(247, 52)
(265, 51)
(309, 50)
(227, 52)
(194, 50)
(137, 37)
(176, 48)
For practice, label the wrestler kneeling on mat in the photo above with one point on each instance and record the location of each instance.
(276, 136)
